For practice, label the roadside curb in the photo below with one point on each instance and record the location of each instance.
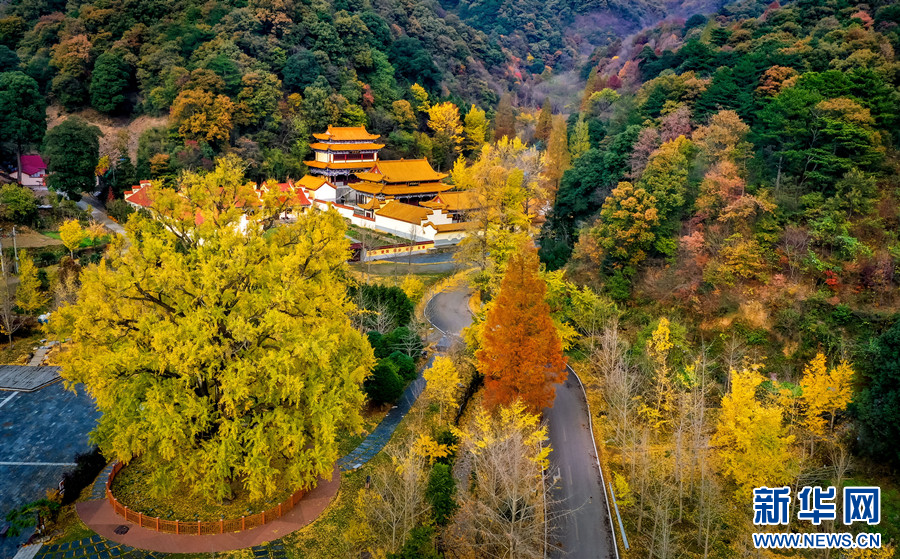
(597, 458)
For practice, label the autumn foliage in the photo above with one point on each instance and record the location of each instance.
(521, 355)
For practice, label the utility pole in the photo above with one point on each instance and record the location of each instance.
(15, 250)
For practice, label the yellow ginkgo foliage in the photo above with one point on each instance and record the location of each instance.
(219, 346)
(505, 452)
(72, 234)
(750, 439)
(426, 447)
(29, 296)
(658, 348)
(442, 381)
(421, 97)
(443, 118)
(413, 287)
(512, 422)
(885, 552)
(825, 393)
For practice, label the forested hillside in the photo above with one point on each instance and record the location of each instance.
(734, 188)
(557, 34)
(256, 77)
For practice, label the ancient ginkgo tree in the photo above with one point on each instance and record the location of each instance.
(218, 346)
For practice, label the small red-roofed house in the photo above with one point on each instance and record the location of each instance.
(33, 172)
(138, 197)
(291, 195)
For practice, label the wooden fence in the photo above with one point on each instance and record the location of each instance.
(198, 527)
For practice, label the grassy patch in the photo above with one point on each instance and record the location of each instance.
(376, 238)
(392, 273)
(85, 243)
(68, 527)
(130, 488)
(325, 537)
(889, 527)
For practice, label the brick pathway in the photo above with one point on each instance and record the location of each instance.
(380, 436)
(99, 489)
(99, 516)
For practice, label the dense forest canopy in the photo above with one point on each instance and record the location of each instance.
(714, 191)
(739, 171)
(252, 77)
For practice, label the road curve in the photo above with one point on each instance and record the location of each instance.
(449, 311)
(583, 529)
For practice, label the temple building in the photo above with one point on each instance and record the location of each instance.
(410, 181)
(341, 152)
(404, 197)
(456, 204)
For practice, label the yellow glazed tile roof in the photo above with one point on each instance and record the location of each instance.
(403, 170)
(310, 182)
(403, 212)
(344, 147)
(399, 189)
(342, 165)
(450, 227)
(346, 133)
(462, 200)
(372, 204)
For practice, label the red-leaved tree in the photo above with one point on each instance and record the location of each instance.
(521, 355)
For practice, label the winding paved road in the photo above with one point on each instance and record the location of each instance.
(583, 530)
(98, 212)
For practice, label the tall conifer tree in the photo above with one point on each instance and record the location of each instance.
(521, 355)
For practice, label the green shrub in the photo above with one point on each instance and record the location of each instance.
(441, 493)
(406, 367)
(18, 204)
(119, 210)
(384, 385)
(405, 340)
(448, 438)
(376, 340)
(876, 405)
(418, 545)
(390, 301)
(49, 256)
(618, 287)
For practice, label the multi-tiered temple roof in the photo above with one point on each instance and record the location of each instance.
(403, 179)
(343, 151)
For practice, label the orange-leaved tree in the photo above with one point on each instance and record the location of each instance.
(521, 355)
